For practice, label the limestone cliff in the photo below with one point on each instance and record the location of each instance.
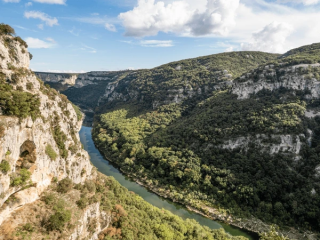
(36, 150)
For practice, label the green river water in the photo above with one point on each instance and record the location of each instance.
(108, 169)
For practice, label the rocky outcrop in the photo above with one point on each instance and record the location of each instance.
(271, 78)
(93, 219)
(271, 144)
(64, 79)
(31, 148)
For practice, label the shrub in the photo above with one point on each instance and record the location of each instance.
(30, 56)
(82, 203)
(78, 112)
(5, 166)
(51, 153)
(90, 185)
(61, 216)
(22, 42)
(49, 198)
(2, 131)
(29, 86)
(6, 30)
(21, 178)
(65, 185)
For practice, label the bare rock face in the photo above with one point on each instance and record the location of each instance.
(287, 77)
(65, 79)
(32, 146)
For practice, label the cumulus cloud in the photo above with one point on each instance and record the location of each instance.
(51, 1)
(110, 27)
(272, 38)
(49, 21)
(156, 43)
(217, 19)
(38, 43)
(305, 2)
(150, 17)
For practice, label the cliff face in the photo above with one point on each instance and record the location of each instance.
(36, 150)
(269, 77)
(64, 79)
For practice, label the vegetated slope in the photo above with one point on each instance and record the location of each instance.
(251, 148)
(48, 188)
(177, 81)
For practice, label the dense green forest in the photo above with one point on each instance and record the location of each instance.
(180, 148)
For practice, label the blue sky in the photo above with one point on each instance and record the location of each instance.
(96, 35)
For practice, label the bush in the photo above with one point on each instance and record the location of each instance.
(82, 203)
(90, 185)
(78, 112)
(49, 198)
(65, 185)
(6, 30)
(21, 178)
(58, 220)
(30, 86)
(2, 131)
(5, 166)
(51, 153)
(22, 42)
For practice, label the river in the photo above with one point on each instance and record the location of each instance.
(108, 169)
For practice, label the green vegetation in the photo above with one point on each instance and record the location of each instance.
(187, 151)
(60, 217)
(2, 130)
(273, 235)
(78, 112)
(5, 166)
(51, 153)
(17, 103)
(20, 178)
(6, 30)
(65, 185)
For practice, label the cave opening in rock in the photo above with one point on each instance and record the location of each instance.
(27, 154)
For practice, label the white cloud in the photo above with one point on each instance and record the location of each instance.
(51, 1)
(49, 21)
(95, 14)
(40, 26)
(272, 38)
(217, 19)
(38, 43)
(11, 1)
(151, 43)
(28, 4)
(229, 49)
(51, 40)
(150, 17)
(110, 27)
(75, 32)
(156, 43)
(88, 49)
(305, 2)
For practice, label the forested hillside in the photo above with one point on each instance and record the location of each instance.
(248, 148)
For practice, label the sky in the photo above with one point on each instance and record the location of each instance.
(108, 35)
